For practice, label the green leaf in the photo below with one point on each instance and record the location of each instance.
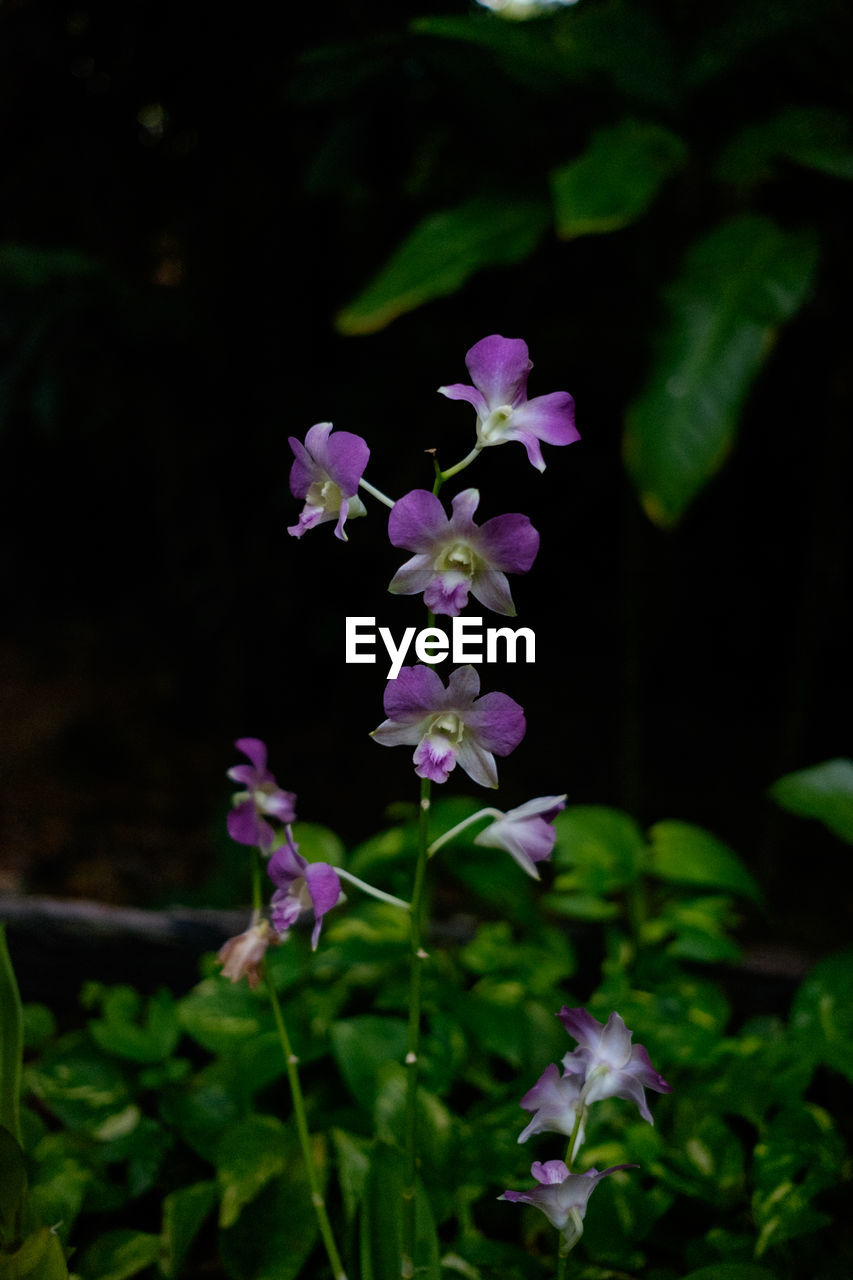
(602, 849)
(40, 1257)
(128, 1032)
(319, 844)
(119, 1254)
(250, 1153)
(11, 1036)
(684, 854)
(614, 181)
(737, 286)
(382, 1221)
(442, 252)
(276, 1233)
(822, 1013)
(799, 1155)
(815, 137)
(13, 1186)
(222, 1015)
(85, 1090)
(352, 1162)
(731, 1271)
(824, 791)
(184, 1212)
(361, 1045)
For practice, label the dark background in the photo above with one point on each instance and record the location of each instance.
(188, 201)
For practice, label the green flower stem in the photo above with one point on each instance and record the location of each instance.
(376, 493)
(372, 890)
(317, 1198)
(562, 1261)
(418, 956)
(460, 466)
(460, 826)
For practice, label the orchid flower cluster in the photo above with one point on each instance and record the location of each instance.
(447, 725)
(604, 1065)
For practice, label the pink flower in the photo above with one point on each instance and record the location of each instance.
(499, 368)
(527, 833)
(300, 886)
(262, 795)
(562, 1196)
(609, 1065)
(326, 472)
(241, 957)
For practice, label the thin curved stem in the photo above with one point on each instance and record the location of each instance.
(372, 890)
(317, 1198)
(460, 826)
(376, 493)
(418, 956)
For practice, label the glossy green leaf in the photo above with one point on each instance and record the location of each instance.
(116, 1255)
(85, 1090)
(382, 1221)
(130, 1028)
(40, 1257)
(737, 286)
(799, 1155)
(11, 1037)
(222, 1015)
(250, 1153)
(684, 854)
(815, 137)
(277, 1232)
(352, 1162)
(442, 252)
(824, 791)
(13, 1185)
(184, 1212)
(731, 1271)
(614, 181)
(598, 850)
(822, 1013)
(361, 1046)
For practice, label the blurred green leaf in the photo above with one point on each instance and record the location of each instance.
(731, 1271)
(822, 1013)
(115, 1255)
(11, 1041)
(601, 849)
(25, 265)
(614, 181)
(815, 137)
(382, 1220)
(442, 252)
(83, 1089)
(737, 286)
(129, 1032)
(361, 1045)
(684, 854)
(184, 1212)
(249, 1154)
(40, 1257)
(824, 791)
(798, 1156)
(13, 1185)
(352, 1161)
(221, 1015)
(276, 1233)
(319, 844)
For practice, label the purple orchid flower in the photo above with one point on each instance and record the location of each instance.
(499, 368)
(454, 556)
(241, 957)
(555, 1100)
(610, 1066)
(326, 472)
(450, 726)
(562, 1196)
(301, 885)
(262, 796)
(527, 833)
